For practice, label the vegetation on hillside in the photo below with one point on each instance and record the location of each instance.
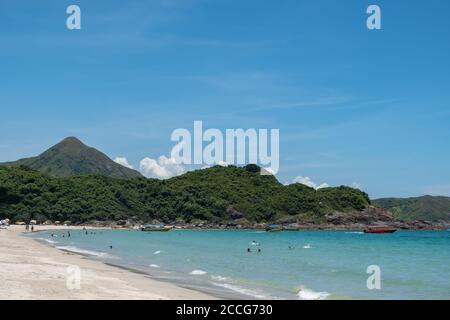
(214, 195)
(419, 208)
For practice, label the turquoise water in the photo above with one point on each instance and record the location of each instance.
(291, 265)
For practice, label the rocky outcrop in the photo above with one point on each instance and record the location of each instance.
(370, 215)
(234, 214)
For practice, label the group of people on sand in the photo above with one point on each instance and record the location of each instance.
(28, 228)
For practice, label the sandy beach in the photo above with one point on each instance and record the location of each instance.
(31, 270)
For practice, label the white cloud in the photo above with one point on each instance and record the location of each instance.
(356, 185)
(308, 182)
(220, 163)
(123, 161)
(162, 168)
(267, 172)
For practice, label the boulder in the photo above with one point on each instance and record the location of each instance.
(234, 214)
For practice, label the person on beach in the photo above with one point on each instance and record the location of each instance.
(32, 228)
(68, 234)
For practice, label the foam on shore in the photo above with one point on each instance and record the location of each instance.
(308, 294)
(241, 290)
(84, 251)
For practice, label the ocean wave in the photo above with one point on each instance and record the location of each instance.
(47, 240)
(157, 252)
(153, 266)
(308, 294)
(242, 290)
(354, 232)
(219, 278)
(83, 251)
(308, 246)
(197, 272)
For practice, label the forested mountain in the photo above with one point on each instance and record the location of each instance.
(215, 195)
(72, 157)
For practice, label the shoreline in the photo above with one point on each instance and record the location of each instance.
(33, 270)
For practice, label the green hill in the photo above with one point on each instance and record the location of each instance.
(214, 195)
(420, 208)
(72, 157)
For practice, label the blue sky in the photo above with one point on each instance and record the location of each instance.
(352, 105)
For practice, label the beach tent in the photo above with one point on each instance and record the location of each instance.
(33, 222)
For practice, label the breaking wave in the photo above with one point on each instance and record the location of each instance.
(48, 240)
(308, 294)
(197, 272)
(219, 278)
(85, 252)
(241, 290)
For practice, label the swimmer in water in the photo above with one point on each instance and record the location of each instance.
(255, 243)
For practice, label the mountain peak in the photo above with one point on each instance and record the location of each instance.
(72, 157)
(72, 140)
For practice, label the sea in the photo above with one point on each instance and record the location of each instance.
(252, 264)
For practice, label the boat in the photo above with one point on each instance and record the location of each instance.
(274, 228)
(379, 229)
(156, 227)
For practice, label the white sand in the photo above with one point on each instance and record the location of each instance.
(31, 270)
